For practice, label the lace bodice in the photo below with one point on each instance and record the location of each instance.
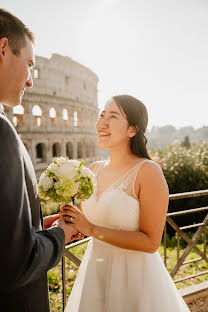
(117, 207)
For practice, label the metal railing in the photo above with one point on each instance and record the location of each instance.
(191, 243)
(180, 232)
(74, 259)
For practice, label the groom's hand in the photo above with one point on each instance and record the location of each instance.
(77, 236)
(68, 229)
(49, 220)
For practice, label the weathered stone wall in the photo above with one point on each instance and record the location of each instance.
(58, 115)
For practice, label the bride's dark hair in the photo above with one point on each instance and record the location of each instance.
(137, 116)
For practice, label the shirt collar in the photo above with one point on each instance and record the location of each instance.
(1, 108)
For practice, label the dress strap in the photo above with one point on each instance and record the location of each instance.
(136, 172)
(126, 181)
(98, 166)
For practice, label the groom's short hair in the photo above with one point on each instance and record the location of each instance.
(15, 31)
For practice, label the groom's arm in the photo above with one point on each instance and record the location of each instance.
(25, 253)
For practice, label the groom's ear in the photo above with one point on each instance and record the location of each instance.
(4, 45)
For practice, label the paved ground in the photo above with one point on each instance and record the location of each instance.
(199, 305)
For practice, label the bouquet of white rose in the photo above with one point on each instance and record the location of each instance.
(66, 180)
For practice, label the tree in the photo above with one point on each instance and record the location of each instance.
(186, 142)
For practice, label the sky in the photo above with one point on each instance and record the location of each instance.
(155, 50)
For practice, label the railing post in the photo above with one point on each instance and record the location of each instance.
(178, 246)
(205, 241)
(165, 243)
(64, 280)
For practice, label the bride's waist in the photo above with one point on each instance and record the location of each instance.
(103, 247)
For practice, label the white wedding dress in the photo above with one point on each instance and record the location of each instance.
(112, 279)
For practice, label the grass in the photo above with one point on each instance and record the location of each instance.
(54, 275)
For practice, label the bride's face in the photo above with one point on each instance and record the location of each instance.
(112, 127)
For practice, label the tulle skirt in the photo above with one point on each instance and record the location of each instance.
(111, 279)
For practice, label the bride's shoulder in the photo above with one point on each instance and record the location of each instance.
(149, 168)
(149, 163)
(95, 164)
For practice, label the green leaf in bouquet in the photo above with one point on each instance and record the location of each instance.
(54, 160)
(49, 173)
(80, 167)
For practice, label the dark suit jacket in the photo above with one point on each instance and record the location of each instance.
(27, 251)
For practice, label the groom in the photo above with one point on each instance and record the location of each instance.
(27, 250)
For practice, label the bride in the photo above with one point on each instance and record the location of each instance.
(122, 269)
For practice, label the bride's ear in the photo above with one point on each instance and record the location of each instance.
(133, 131)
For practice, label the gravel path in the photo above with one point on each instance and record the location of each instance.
(199, 305)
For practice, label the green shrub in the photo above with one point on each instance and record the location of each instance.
(185, 170)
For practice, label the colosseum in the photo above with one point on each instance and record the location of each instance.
(58, 115)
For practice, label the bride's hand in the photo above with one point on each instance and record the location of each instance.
(73, 214)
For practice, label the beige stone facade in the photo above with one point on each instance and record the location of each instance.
(58, 115)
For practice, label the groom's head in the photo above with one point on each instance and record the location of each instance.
(16, 58)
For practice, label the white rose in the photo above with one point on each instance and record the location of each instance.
(52, 168)
(61, 160)
(45, 182)
(74, 162)
(87, 173)
(65, 171)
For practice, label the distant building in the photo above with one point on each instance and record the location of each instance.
(58, 115)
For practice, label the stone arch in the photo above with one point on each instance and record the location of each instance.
(53, 116)
(79, 150)
(52, 112)
(88, 152)
(40, 152)
(37, 114)
(69, 150)
(56, 149)
(66, 117)
(75, 119)
(18, 115)
(84, 149)
(65, 114)
(90, 147)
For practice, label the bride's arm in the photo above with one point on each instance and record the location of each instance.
(153, 198)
